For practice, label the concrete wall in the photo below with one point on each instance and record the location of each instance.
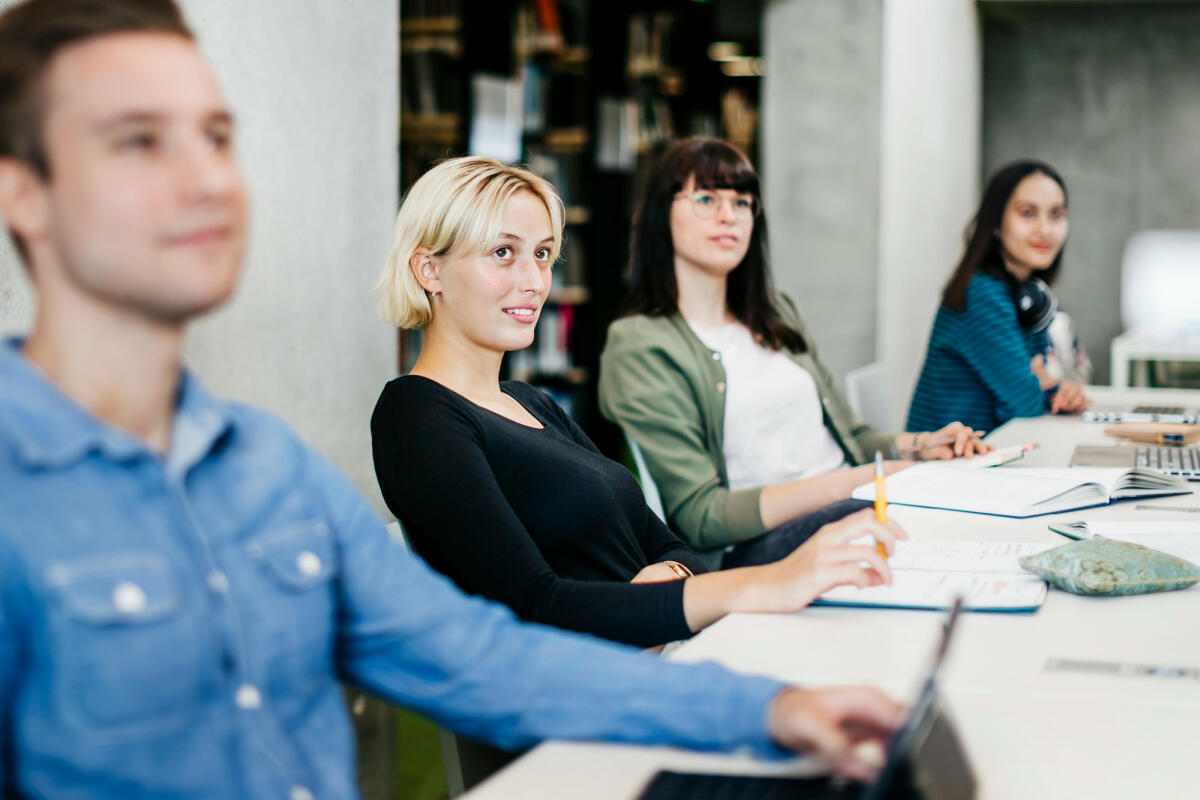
(821, 166)
(315, 93)
(929, 174)
(1110, 95)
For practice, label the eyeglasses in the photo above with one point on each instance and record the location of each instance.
(706, 203)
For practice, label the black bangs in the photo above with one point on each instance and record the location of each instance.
(716, 165)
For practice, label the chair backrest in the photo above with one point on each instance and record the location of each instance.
(866, 392)
(1160, 281)
(649, 488)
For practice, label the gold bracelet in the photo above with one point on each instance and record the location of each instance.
(680, 569)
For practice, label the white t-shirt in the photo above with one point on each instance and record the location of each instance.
(774, 427)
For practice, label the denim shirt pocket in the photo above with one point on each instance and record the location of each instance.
(299, 556)
(299, 562)
(127, 660)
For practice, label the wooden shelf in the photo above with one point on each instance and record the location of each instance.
(430, 128)
(568, 295)
(566, 140)
(414, 26)
(577, 215)
(432, 43)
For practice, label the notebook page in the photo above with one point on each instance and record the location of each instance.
(926, 589)
(964, 556)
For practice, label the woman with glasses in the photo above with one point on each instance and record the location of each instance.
(714, 377)
(495, 485)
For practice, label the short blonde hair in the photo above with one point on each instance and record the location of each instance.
(453, 209)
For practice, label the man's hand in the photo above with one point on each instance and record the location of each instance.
(846, 726)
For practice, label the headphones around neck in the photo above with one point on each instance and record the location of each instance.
(1036, 305)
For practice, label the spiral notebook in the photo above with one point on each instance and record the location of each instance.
(930, 574)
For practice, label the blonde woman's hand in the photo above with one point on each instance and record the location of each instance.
(826, 560)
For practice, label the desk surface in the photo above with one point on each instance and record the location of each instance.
(1029, 732)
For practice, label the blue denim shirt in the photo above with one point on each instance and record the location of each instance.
(177, 627)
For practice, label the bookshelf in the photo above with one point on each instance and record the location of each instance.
(601, 88)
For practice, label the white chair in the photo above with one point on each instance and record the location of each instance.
(866, 392)
(649, 488)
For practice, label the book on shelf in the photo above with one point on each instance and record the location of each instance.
(930, 574)
(1020, 491)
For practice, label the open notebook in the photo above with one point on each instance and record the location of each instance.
(1179, 538)
(930, 574)
(1020, 491)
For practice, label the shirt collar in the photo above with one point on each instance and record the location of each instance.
(51, 431)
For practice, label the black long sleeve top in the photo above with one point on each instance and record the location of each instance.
(536, 519)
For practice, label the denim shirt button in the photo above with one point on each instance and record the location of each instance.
(248, 697)
(308, 563)
(218, 583)
(128, 598)
(300, 793)
(716, 356)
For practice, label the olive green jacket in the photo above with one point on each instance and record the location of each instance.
(666, 389)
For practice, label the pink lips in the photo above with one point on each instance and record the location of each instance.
(725, 241)
(201, 236)
(527, 318)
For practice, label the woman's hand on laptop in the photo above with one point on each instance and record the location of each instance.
(847, 726)
(1069, 399)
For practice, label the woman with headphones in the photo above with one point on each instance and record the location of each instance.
(986, 358)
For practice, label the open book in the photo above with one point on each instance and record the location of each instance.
(1179, 538)
(930, 574)
(1020, 491)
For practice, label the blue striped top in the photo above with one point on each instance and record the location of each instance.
(977, 365)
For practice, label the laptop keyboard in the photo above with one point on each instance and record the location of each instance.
(1184, 461)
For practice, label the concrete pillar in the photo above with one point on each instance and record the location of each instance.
(870, 160)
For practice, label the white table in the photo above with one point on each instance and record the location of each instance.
(1132, 351)
(1029, 733)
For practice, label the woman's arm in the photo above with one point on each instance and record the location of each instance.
(988, 337)
(826, 560)
(646, 389)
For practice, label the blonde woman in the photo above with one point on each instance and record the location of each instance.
(496, 486)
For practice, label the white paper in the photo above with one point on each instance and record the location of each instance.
(1179, 538)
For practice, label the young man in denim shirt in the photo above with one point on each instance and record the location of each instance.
(182, 582)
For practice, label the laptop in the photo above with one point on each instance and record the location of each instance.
(924, 761)
(1184, 414)
(1183, 462)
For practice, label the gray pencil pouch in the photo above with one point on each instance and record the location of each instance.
(1111, 567)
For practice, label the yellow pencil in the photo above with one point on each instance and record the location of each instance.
(880, 500)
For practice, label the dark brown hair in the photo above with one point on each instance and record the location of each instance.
(32, 33)
(982, 252)
(714, 164)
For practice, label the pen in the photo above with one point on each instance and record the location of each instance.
(880, 501)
